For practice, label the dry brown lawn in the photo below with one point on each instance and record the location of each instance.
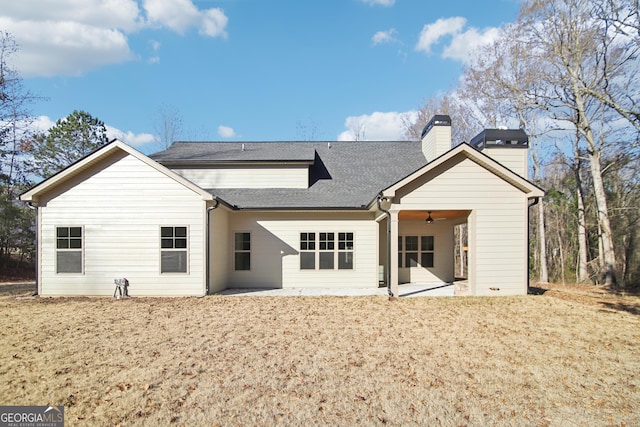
(563, 358)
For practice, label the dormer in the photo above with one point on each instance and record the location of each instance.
(508, 147)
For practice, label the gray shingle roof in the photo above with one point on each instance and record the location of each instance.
(345, 176)
(212, 152)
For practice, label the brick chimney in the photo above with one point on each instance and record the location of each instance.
(508, 147)
(436, 137)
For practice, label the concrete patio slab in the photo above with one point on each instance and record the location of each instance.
(409, 290)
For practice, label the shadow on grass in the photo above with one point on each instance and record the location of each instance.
(628, 307)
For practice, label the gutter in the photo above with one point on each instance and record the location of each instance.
(388, 270)
(208, 241)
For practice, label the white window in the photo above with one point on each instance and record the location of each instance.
(242, 251)
(345, 251)
(326, 250)
(69, 250)
(324, 253)
(307, 251)
(174, 249)
(416, 251)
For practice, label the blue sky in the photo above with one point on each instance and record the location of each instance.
(246, 69)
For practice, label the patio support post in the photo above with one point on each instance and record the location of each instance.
(393, 258)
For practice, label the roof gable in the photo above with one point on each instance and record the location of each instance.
(465, 150)
(95, 158)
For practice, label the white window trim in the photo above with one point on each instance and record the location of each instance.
(419, 251)
(233, 247)
(82, 243)
(336, 252)
(187, 249)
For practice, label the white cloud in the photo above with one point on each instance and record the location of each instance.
(378, 126)
(71, 37)
(133, 139)
(432, 33)
(214, 21)
(179, 15)
(122, 14)
(155, 46)
(464, 46)
(44, 123)
(226, 131)
(384, 36)
(385, 3)
(463, 43)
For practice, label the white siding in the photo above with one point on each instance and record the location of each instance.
(275, 240)
(510, 157)
(498, 224)
(248, 177)
(121, 207)
(436, 142)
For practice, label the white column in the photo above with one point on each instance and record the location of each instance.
(393, 246)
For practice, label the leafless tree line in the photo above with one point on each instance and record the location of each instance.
(567, 72)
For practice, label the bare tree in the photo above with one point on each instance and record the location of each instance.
(169, 125)
(466, 119)
(563, 40)
(16, 220)
(306, 130)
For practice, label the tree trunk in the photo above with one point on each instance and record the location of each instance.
(608, 252)
(542, 239)
(583, 272)
(542, 244)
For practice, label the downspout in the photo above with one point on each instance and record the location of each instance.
(208, 240)
(388, 270)
(534, 202)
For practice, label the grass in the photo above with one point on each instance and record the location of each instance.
(537, 360)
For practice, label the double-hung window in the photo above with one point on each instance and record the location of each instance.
(426, 251)
(345, 251)
(69, 250)
(173, 249)
(416, 251)
(325, 253)
(327, 247)
(307, 251)
(242, 251)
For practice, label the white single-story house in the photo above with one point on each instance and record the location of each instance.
(200, 217)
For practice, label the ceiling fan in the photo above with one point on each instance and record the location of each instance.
(430, 219)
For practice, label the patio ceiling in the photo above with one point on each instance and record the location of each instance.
(436, 215)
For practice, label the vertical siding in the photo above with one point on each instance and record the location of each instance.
(498, 226)
(275, 239)
(251, 177)
(121, 207)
